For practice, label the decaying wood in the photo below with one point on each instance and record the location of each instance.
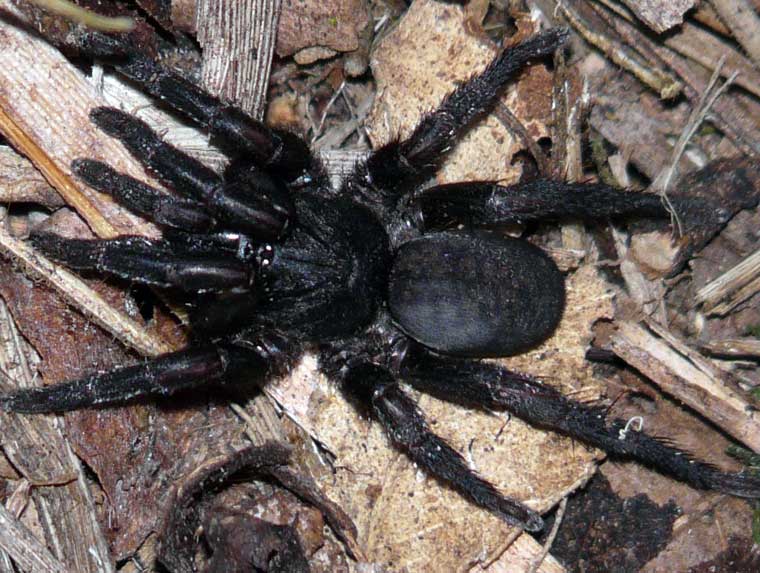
(744, 23)
(24, 548)
(734, 347)
(686, 375)
(238, 40)
(660, 15)
(731, 288)
(39, 451)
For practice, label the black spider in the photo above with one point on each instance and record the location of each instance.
(388, 281)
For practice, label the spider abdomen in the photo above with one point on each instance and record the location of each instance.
(476, 294)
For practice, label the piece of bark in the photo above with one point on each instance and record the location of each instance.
(660, 15)
(238, 39)
(732, 287)
(681, 372)
(53, 128)
(734, 348)
(20, 182)
(330, 26)
(744, 23)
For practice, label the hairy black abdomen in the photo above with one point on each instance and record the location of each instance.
(477, 294)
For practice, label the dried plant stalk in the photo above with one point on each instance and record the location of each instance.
(732, 287)
(238, 40)
(38, 449)
(24, 548)
(52, 130)
(680, 372)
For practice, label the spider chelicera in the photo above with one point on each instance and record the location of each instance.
(387, 280)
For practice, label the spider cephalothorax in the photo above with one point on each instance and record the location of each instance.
(387, 280)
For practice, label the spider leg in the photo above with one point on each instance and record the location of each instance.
(486, 385)
(178, 213)
(402, 165)
(405, 424)
(162, 376)
(237, 133)
(250, 201)
(486, 203)
(157, 263)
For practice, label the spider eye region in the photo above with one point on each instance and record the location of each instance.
(475, 294)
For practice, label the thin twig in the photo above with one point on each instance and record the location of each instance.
(513, 124)
(698, 115)
(85, 17)
(552, 535)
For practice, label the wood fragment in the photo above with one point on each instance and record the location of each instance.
(707, 49)
(52, 130)
(743, 22)
(20, 182)
(734, 347)
(736, 118)
(238, 40)
(38, 449)
(657, 79)
(729, 289)
(660, 15)
(24, 548)
(689, 377)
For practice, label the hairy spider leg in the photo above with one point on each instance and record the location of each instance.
(405, 424)
(152, 262)
(236, 132)
(402, 165)
(167, 210)
(484, 203)
(162, 376)
(486, 385)
(251, 202)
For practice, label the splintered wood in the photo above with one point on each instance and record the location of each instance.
(684, 374)
(52, 130)
(731, 288)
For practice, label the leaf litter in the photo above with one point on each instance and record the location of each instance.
(406, 521)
